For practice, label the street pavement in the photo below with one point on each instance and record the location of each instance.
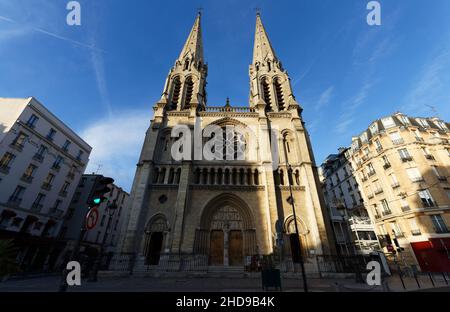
(205, 284)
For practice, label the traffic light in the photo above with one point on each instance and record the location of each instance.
(100, 189)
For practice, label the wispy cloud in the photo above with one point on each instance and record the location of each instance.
(116, 143)
(430, 87)
(99, 71)
(324, 98)
(24, 28)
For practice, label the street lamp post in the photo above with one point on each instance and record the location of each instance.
(111, 209)
(291, 201)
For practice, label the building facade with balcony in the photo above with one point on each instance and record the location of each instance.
(402, 164)
(41, 162)
(352, 226)
(113, 215)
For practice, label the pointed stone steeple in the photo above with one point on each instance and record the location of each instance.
(270, 86)
(262, 49)
(185, 84)
(193, 47)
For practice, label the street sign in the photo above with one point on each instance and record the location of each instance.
(92, 218)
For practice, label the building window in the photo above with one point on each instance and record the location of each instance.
(386, 209)
(49, 179)
(414, 227)
(32, 121)
(19, 141)
(17, 195)
(396, 229)
(66, 145)
(57, 204)
(6, 161)
(374, 128)
(394, 181)
(426, 198)
(64, 189)
(423, 122)
(51, 134)
(58, 161)
(388, 122)
(414, 174)
(396, 138)
(386, 163)
(439, 224)
(80, 154)
(404, 155)
(378, 145)
(29, 173)
(370, 169)
(37, 205)
(404, 120)
(40, 153)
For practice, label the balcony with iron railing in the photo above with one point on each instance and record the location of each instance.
(26, 178)
(71, 175)
(63, 193)
(442, 178)
(406, 158)
(406, 208)
(36, 207)
(386, 212)
(416, 232)
(4, 169)
(46, 186)
(370, 196)
(417, 179)
(379, 149)
(395, 185)
(371, 173)
(398, 141)
(419, 139)
(378, 191)
(17, 146)
(377, 216)
(387, 166)
(429, 157)
(14, 201)
(38, 157)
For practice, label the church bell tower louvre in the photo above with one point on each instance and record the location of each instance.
(195, 214)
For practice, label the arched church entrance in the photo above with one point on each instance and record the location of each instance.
(298, 244)
(227, 233)
(155, 236)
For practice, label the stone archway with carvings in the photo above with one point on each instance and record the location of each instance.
(289, 230)
(155, 238)
(227, 231)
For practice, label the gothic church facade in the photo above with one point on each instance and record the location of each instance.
(196, 213)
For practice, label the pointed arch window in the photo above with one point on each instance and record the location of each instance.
(266, 94)
(176, 88)
(186, 65)
(189, 87)
(279, 94)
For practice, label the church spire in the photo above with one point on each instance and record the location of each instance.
(186, 81)
(262, 50)
(193, 48)
(270, 86)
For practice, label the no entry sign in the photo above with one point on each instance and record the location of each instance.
(92, 218)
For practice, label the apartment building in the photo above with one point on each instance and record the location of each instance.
(353, 230)
(41, 162)
(402, 164)
(113, 214)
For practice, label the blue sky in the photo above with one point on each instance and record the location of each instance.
(103, 77)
